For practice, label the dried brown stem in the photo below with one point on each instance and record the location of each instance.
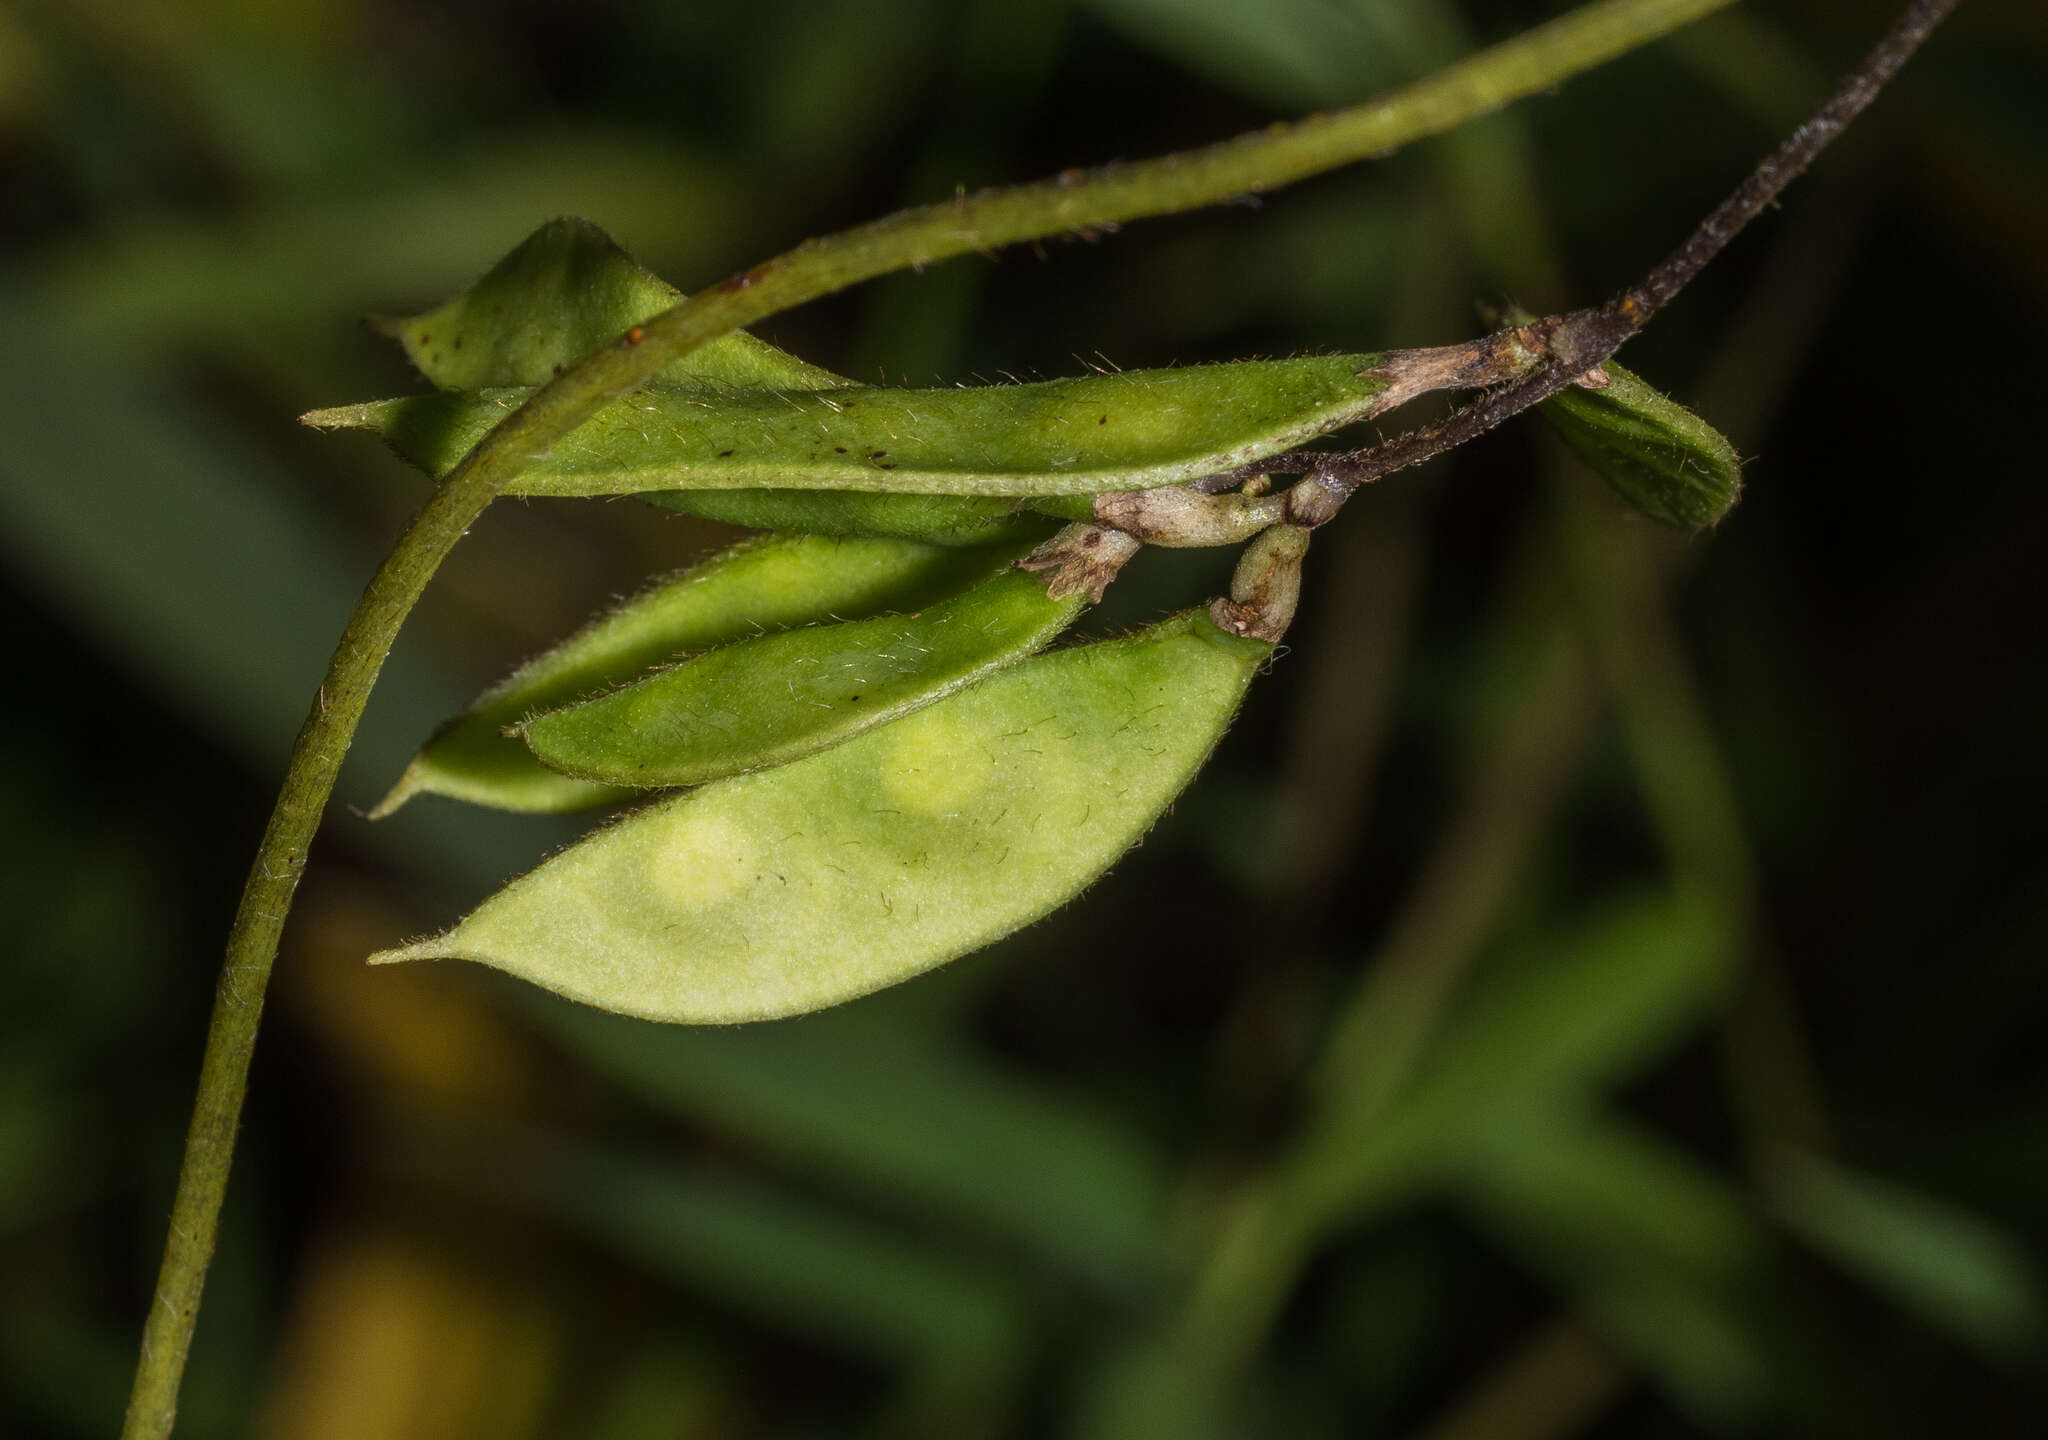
(1579, 342)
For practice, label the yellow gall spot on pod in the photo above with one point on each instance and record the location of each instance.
(711, 859)
(826, 878)
(935, 767)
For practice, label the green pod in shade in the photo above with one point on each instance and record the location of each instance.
(567, 289)
(1131, 430)
(777, 698)
(1654, 453)
(767, 584)
(790, 889)
(934, 519)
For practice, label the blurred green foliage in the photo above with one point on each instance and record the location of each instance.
(1594, 992)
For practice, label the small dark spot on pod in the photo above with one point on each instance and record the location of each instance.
(838, 449)
(878, 454)
(1103, 421)
(458, 342)
(723, 453)
(558, 369)
(635, 335)
(888, 467)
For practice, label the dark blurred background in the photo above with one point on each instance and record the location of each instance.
(1595, 990)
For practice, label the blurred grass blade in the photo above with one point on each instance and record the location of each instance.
(134, 501)
(267, 276)
(120, 504)
(869, 1098)
(675, 1385)
(1289, 53)
(1606, 1187)
(1941, 1263)
(1581, 1009)
(1660, 1250)
(807, 1270)
(1550, 1026)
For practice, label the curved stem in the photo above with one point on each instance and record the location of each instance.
(1075, 201)
(252, 941)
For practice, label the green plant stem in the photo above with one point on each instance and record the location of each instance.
(252, 940)
(1077, 202)
(316, 759)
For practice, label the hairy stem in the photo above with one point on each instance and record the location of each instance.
(1075, 201)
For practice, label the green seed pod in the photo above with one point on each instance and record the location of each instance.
(1655, 453)
(934, 519)
(787, 890)
(567, 289)
(768, 584)
(1128, 431)
(777, 698)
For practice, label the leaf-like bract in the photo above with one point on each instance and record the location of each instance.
(780, 697)
(764, 585)
(565, 290)
(568, 288)
(790, 889)
(1653, 452)
(1130, 430)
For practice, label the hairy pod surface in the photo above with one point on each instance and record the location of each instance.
(1651, 450)
(1130, 430)
(777, 698)
(569, 288)
(767, 584)
(934, 519)
(790, 889)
